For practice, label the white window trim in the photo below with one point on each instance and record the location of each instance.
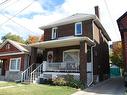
(53, 33)
(76, 28)
(10, 64)
(72, 50)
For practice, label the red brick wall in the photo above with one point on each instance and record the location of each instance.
(124, 42)
(58, 52)
(69, 30)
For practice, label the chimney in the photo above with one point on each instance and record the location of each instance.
(97, 11)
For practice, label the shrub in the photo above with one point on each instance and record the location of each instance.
(76, 84)
(68, 80)
(72, 82)
(60, 81)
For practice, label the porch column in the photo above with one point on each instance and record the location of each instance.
(83, 62)
(33, 55)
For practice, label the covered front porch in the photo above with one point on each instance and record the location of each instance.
(68, 55)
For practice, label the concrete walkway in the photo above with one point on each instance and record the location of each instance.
(113, 86)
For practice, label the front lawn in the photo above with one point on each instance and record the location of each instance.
(34, 89)
(3, 84)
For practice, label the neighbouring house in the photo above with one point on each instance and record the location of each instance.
(14, 59)
(75, 45)
(122, 24)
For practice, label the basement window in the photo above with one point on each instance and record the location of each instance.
(78, 28)
(15, 64)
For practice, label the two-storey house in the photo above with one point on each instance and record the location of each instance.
(76, 45)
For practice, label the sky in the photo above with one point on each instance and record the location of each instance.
(24, 17)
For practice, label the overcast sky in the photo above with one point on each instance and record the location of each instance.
(23, 17)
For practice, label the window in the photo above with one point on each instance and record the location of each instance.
(15, 64)
(54, 33)
(78, 28)
(71, 56)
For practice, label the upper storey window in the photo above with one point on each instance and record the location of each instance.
(54, 33)
(78, 28)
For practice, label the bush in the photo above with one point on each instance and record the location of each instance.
(60, 81)
(72, 82)
(76, 84)
(68, 80)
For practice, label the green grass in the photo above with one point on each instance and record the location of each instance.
(32, 89)
(3, 84)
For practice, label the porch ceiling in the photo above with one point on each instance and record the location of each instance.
(62, 42)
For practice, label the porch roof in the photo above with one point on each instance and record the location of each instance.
(70, 41)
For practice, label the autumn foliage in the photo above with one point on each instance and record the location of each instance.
(32, 39)
(117, 55)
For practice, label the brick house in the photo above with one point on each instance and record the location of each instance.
(76, 45)
(122, 24)
(14, 58)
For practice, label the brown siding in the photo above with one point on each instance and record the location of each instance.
(7, 58)
(12, 48)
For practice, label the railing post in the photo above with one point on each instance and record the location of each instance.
(44, 65)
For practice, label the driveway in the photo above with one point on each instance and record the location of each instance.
(112, 86)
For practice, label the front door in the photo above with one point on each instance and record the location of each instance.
(89, 65)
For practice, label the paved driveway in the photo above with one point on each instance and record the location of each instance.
(113, 86)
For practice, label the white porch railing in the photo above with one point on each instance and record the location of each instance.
(53, 67)
(36, 73)
(26, 74)
(62, 66)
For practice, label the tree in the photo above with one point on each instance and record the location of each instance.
(13, 37)
(32, 39)
(117, 56)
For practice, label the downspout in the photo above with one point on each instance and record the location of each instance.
(92, 50)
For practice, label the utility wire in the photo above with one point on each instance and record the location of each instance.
(5, 1)
(17, 13)
(111, 18)
(9, 5)
(18, 24)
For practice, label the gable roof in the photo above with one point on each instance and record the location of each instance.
(122, 26)
(19, 46)
(125, 14)
(77, 18)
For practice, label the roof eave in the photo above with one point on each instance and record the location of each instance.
(68, 22)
